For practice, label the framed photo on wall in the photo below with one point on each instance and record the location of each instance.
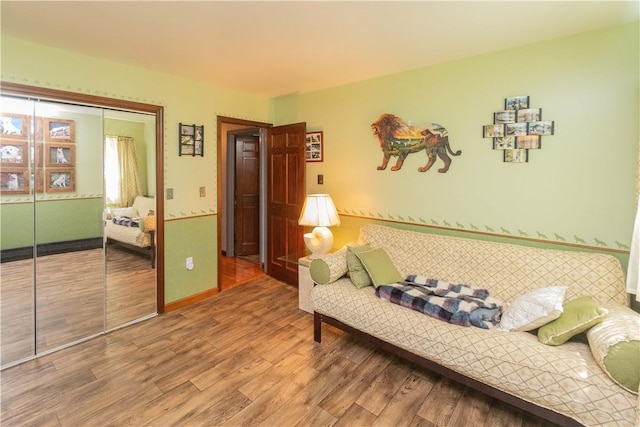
(314, 146)
(59, 130)
(191, 140)
(516, 156)
(13, 126)
(60, 180)
(60, 155)
(13, 153)
(14, 180)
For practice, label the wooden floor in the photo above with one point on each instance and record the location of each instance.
(71, 298)
(243, 357)
(236, 271)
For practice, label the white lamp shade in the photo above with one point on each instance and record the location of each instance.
(319, 210)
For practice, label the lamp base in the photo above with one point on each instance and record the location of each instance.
(319, 241)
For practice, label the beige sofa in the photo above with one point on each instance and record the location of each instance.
(140, 238)
(564, 384)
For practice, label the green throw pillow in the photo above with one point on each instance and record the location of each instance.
(615, 345)
(329, 268)
(621, 363)
(357, 272)
(379, 266)
(578, 316)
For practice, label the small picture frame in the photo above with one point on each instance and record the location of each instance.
(13, 126)
(493, 131)
(314, 146)
(60, 155)
(516, 156)
(60, 180)
(504, 143)
(516, 103)
(542, 128)
(507, 116)
(529, 142)
(190, 140)
(13, 153)
(516, 129)
(59, 130)
(14, 181)
(529, 115)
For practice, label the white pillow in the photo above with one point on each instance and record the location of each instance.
(532, 310)
(128, 212)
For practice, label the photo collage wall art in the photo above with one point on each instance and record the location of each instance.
(517, 129)
(46, 166)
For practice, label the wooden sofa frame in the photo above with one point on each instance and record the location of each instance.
(539, 411)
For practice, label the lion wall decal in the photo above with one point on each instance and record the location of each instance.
(397, 138)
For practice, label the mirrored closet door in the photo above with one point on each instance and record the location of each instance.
(61, 279)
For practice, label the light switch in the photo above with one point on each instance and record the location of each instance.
(203, 192)
(320, 179)
(169, 193)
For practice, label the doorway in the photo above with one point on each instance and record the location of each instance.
(240, 191)
(281, 191)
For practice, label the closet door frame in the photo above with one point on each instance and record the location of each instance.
(46, 94)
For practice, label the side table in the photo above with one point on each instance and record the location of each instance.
(305, 285)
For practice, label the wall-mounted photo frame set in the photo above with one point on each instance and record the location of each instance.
(59, 130)
(14, 126)
(314, 146)
(60, 155)
(518, 127)
(14, 153)
(60, 180)
(517, 155)
(190, 140)
(14, 180)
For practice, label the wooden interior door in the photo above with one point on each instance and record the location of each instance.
(247, 195)
(285, 197)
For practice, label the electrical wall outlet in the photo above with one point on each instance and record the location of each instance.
(190, 263)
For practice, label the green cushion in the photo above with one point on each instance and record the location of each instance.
(621, 363)
(357, 272)
(379, 266)
(615, 345)
(329, 268)
(578, 316)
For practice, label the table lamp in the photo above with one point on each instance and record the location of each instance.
(319, 211)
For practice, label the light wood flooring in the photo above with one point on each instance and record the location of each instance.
(69, 297)
(243, 357)
(236, 271)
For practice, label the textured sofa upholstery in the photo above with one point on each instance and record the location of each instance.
(563, 380)
(139, 238)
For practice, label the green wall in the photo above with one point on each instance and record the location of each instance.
(183, 101)
(192, 237)
(581, 183)
(578, 188)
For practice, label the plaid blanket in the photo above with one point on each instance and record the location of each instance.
(127, 222)
(454, 303)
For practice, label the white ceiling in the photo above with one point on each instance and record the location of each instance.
(280, 47)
